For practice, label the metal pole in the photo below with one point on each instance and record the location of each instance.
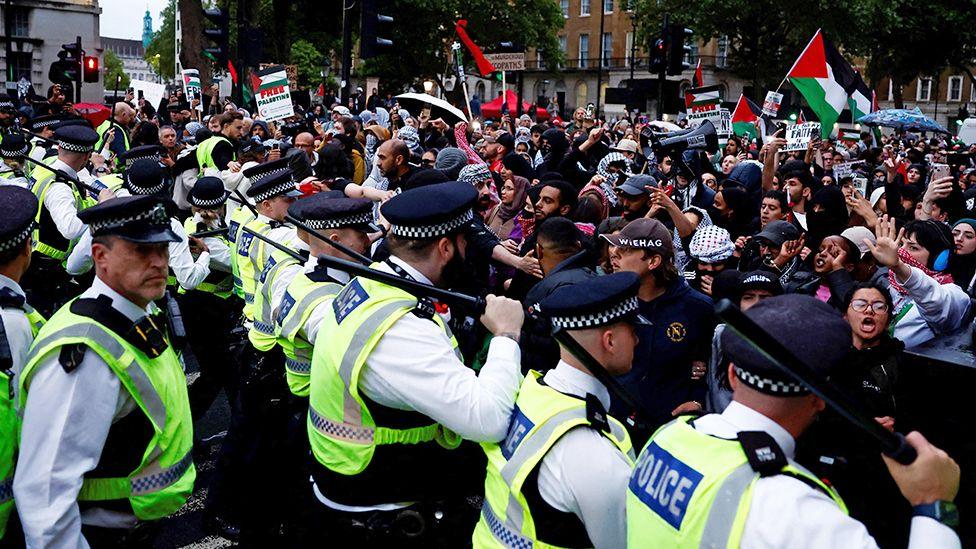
(633, 47)
(662, 74)
(599, 65)
(8, 24)
(81, 68)
(346, 52)
(241, 32)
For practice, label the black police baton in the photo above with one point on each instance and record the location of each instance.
(41, 137)
(274, 244)
(892, 444)
(211, 232)
(64, 175)
(478, 303)
(303, 226)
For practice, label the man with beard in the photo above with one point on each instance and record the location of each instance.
(393, 159)
(390, 401)
(114, 132)
(220, 150)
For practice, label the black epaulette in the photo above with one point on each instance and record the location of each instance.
(71, 356)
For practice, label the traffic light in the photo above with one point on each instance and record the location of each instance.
(91, 68)
(219, 34)
(658, 57)
(375, 24)
(678, 49)
(67, 69)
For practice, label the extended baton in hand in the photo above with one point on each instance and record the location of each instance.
(274, 244)
(64, 175)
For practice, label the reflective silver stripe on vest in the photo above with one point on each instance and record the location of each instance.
(291, 325)
(297, 366)
(150, 398)
(503, 534)
(349, 433)
(718, 526)
(6, 490)
(352, 412)
(265, 322)
(153, 478)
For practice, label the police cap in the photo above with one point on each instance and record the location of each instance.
(322, 211)
(76, 138)
(144, 177)
(141, 219)
(208, 193)
(594, 302)
(431, 211)
(17, 209)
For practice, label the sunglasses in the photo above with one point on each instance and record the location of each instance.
(861, 305)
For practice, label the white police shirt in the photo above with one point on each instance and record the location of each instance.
(19, 333)
(67, 418)
(568, 479)
(60, 203)
(786, 512)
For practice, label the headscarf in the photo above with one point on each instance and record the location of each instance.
(410, 136)
(963, 267)
(518, 165)
(832, 219)
(905, 257)
(614, 158)
(506, 212)
(711, 245)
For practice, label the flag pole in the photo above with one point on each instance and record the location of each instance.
(798, 60)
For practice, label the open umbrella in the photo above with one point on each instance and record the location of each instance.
(902, 119)
(660, 125)
(439, 108)
(94, 113)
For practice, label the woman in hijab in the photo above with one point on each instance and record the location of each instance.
(963, 264)
(515, 165)
(501, 219)
(826, 215)
(734, 215)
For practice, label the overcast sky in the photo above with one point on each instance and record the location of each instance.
(123, 18)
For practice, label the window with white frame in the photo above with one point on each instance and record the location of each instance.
(607, 6)
(923, 89)
(630, 45)
(584, 50)
(954, 89)
(722, 51)
(606, 49)
(584, 7)
(564, 6)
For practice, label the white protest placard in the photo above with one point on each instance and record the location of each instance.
(845, 169)
(696, 118)
(798, 136)
(272, 93)
(772, 103)
(191, 84)
(507, 61)
(724, 128)
(152, 92)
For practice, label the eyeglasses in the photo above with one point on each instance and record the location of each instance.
(427, 163)
(861, 305)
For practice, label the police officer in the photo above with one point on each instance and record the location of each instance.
(559, 477)
(43, 127)
(729, 479)
(12, 169)
(389, 398)
(8, 116)
(18, 324)
(113, 133)
(47, 284)
(145, 177)
(107, 437)
(304, 302)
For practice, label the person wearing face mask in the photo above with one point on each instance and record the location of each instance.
(390, 400)
(963, 267)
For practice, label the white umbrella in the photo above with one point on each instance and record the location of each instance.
(439, 108)
(664, 126)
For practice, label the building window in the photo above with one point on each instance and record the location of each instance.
(629, 42)
(539, 61)
(692, 56)
(584, 8)
(954, 93)
(923, 90)
(564, 5)
(582, 91)
(722, 51)
(607, 6)
(607, 48)
(891, 90)
(20, 20)
(20, 64)
(584, 50)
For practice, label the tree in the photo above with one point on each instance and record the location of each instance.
(308, 58)
(113, 70)
(162, 44)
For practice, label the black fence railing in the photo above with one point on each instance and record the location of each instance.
(615, 63)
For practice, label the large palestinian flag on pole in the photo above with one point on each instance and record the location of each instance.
(824, 78)
(744, 117)
(861, 100)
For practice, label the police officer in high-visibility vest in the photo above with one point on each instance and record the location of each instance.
(559, 477)
(8, 115)
(47, 284)
(146, 177)
(19, 323)
(12, 168)
(219, 152)
(106, 441)
(729, 479)
(304, 302)
(389, 398)
(43, 127)
(210, 311)
(113, 133)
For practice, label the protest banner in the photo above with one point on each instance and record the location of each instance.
(191, 84)
(290, 70)
(272, 93)
(696, 118)
(703, 99)
(771, 104)
(724, 128)
(845, 169)
(152, 92)
(507, 61)
(798, 136)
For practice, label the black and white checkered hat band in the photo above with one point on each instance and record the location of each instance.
(151, 215)
(602, 318)
(38, 126)
(253, 178)
(17, 239)
(769, 386)
(6, 104)
(211, 203)
(9, 153)
(130, 161)
(279, 189)
(143, 190)
(433, 231)
(339, 222)
(74, 147)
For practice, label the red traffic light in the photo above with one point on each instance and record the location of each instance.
(90, 65)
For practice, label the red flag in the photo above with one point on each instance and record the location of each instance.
(699, 80)
(484, 65)
(321, 91)
(232, 71)
(874, 101)
(799, 118)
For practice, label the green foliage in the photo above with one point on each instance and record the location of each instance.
(308, 58)
(163, 45)
(114, 69)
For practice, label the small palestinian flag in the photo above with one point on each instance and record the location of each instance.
(823, 77)
(703, 99)
(848, 135)
(861, 101)
(744, 117)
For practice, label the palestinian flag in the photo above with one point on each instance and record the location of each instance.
(824, 77)
(744, 117)
(861, 100)
(703, 99)
(848, 135)
(699, 80)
